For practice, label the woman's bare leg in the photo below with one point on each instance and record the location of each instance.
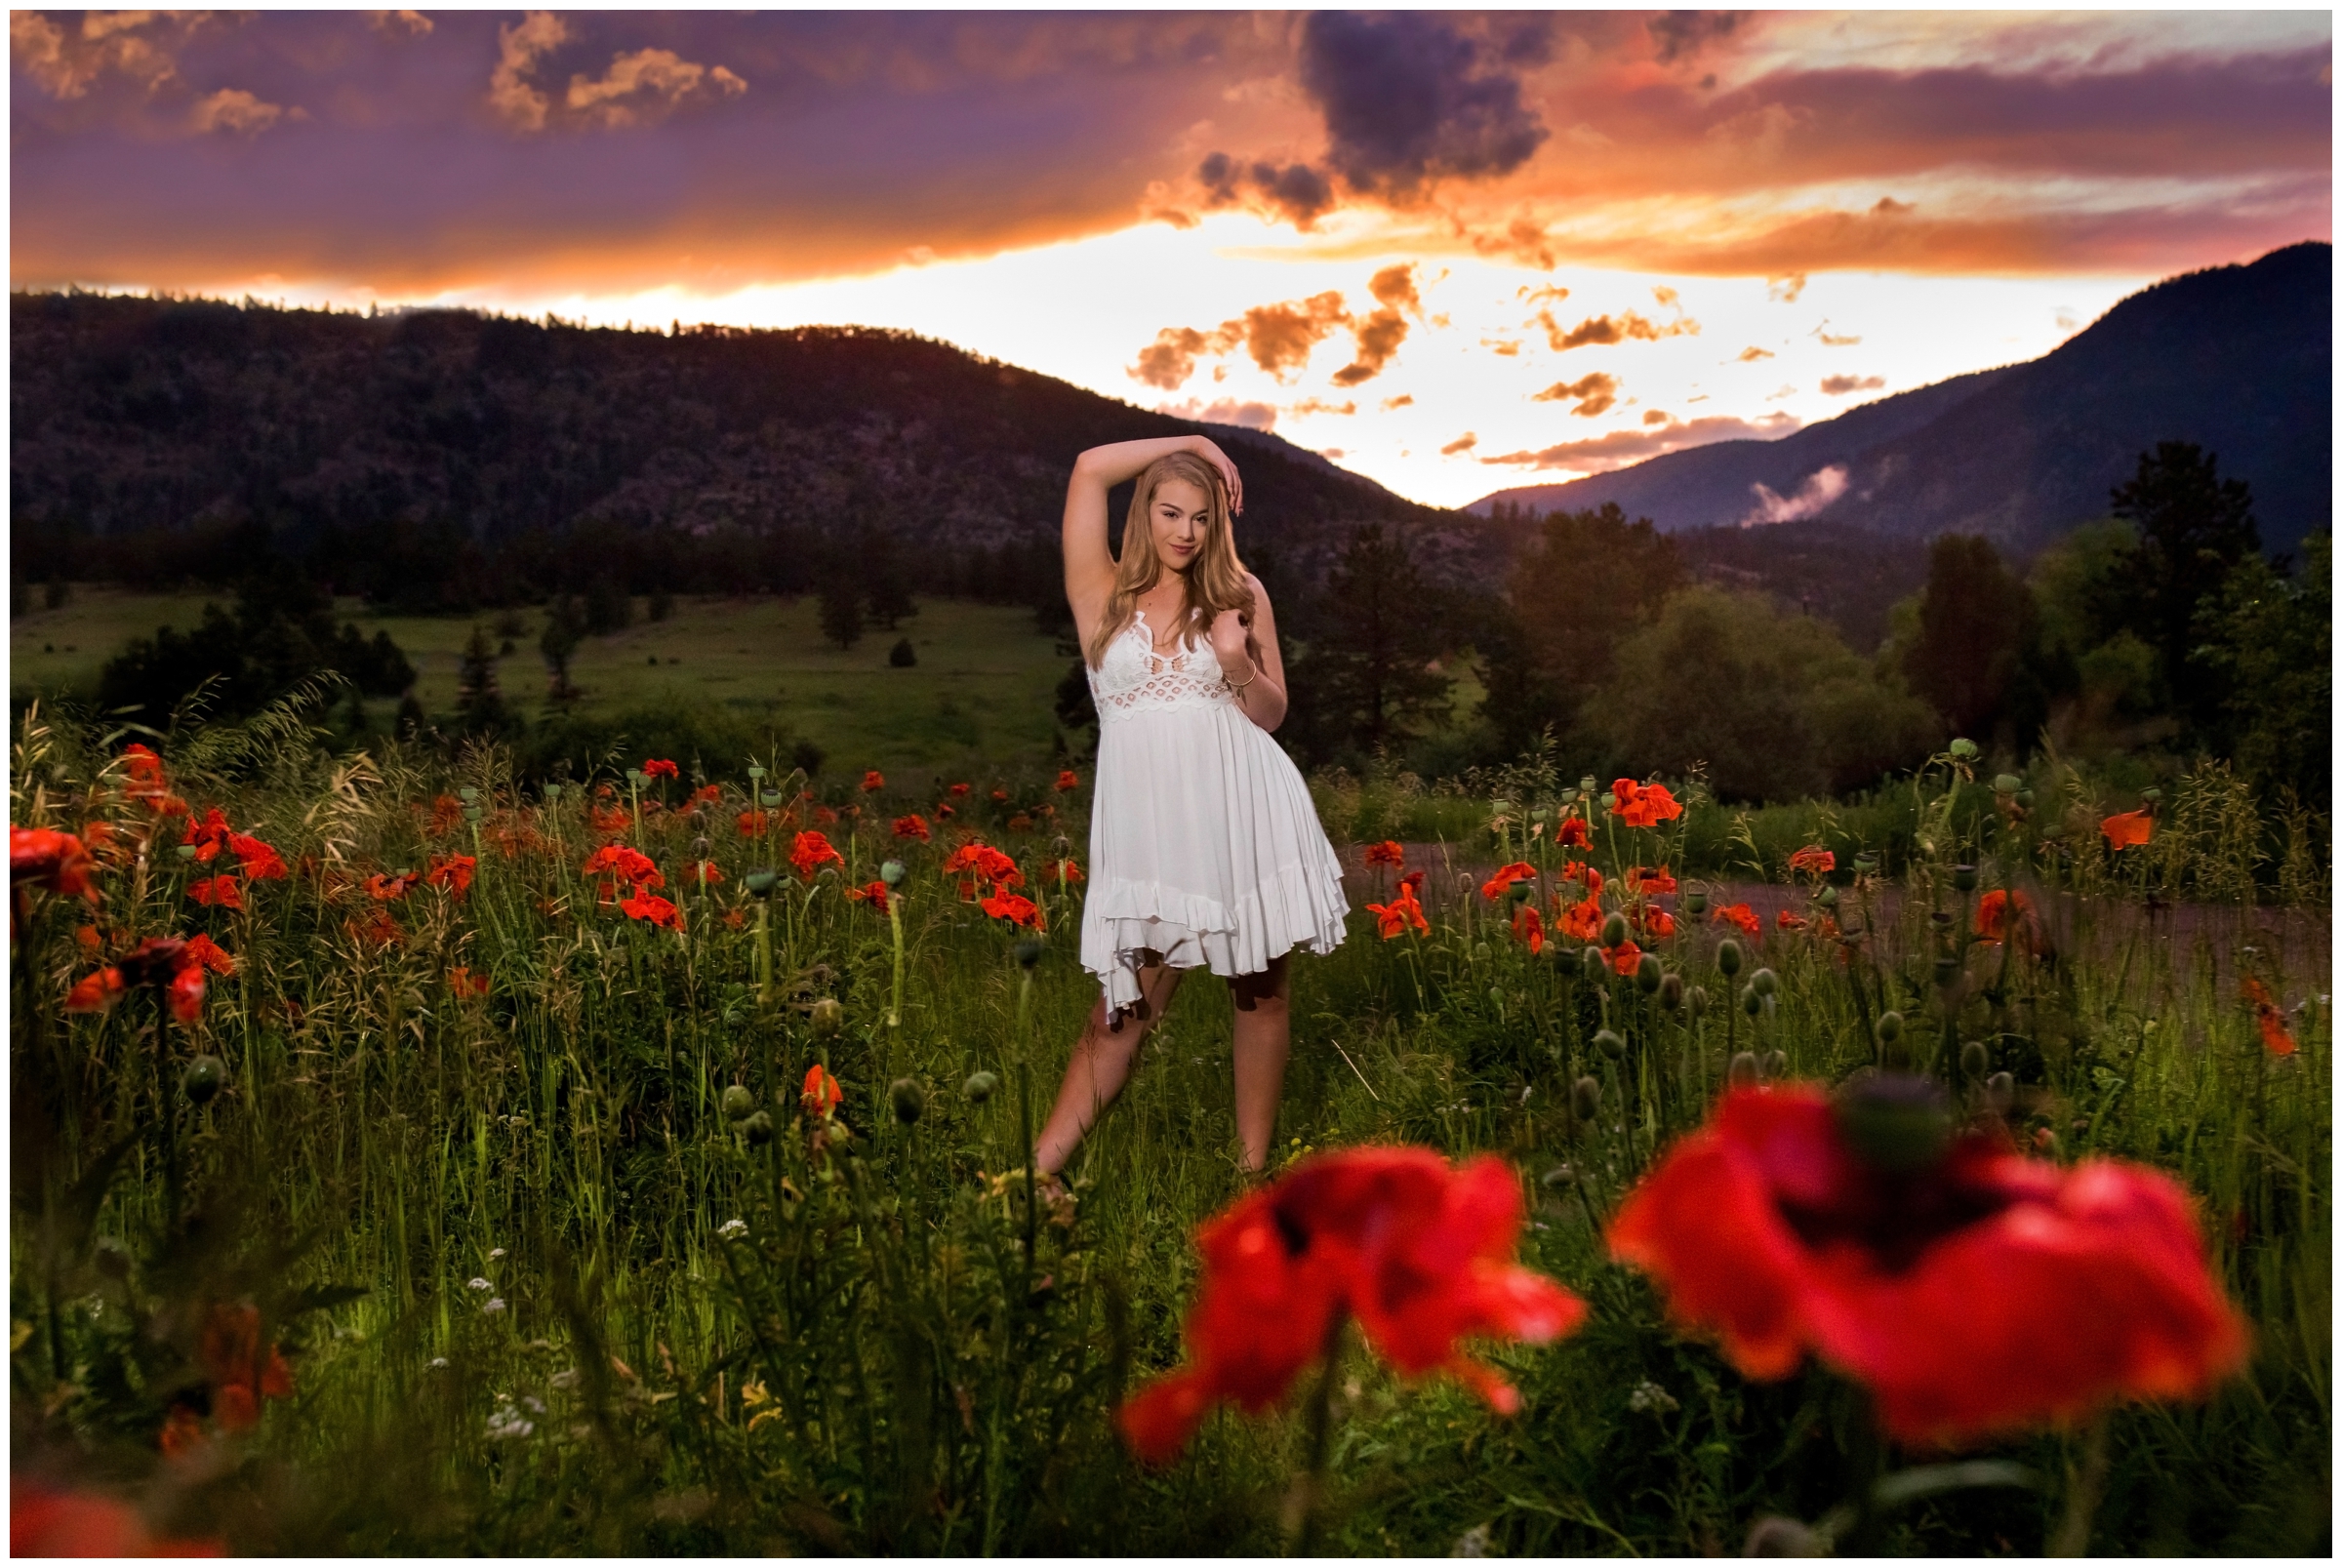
(1101, 1065)
(1264, 1034)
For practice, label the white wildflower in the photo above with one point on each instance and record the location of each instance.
(732, 1230)
(493, 1306)
(437, 1364)
(1648, 1395)
(477, 1284)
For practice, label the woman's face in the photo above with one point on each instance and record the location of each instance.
(1180, 514)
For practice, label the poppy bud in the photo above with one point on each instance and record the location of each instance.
(739, 1103)
(1776, 1063)
(2151, 794)
(468, 794)
(1947, 972)
(1889, 1027)
(1614, 930)
(2024, 799)
(1963, 749)
(1496, 997)
(893, 872)
(1648, 973)
(552, 794)
(1728, 957)
(759, 1126)
(1695, 1001)
(699, 848)
(1964, 877)
(1750, 1002)
(187, 852)
(204, 1076)
(1999, 1092)
(1895, 1121)
(760, 883)
(1610, 1043)
(1481, 952)
(910, 1100)
(1591, 964)
(1520, 891)
(1695, 902)
(980, 1087)
(829, 1016)
(1743, 1072)
(1586, 1098)
(1028, 951)
(2008, 783)
(1826, 896)
(1764, 983)
(1670, 993)
(1975, 1058)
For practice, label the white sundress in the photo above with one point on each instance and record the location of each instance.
(1204, 845)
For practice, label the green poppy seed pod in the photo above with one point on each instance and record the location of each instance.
(1586, 1098)
(203, 1079)
(1586, 784)
(2151, 794)
(1963, 749)
(1560, 1176)
(468, 794)
(1670, 993)
(1947, 972)
(1750, 1002)
(756, 771)
(759, 1126)
(760, 883)
(829, 1016)
(1894, 1121)
(739, 1103)
(1481, 952)
(1591, 964)
(771, 797)
(910, 1100)
(1541, 815)
(1866, 864)
(893, 872)
(1610, 1043)
(1826, 896)
(1648, 973)
(187, 852)
(552, 794)
(1964, 877)
(2008, 783)
(636, 777)
(1502, 808)
(1695, 902)
(980, 1087)
(2024, 799)
(1610, 801)
(1028, 951)
(1975, 1058)
(1742, 1073)
(1521, 890)
(1695, 1001)
(474, 814)
(2001, 1092)
(1889, 1027)
(1569, 797)
(1941, 919)
(2052, 833)
(1776, 1063)
(1728, 957)
(1764, 983)
(1614, 930)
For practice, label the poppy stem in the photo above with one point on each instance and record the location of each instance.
(1310, 1487)
(168, 1108)
(2082, 1492)
(1868, 1456)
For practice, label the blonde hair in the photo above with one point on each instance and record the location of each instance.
(1215, 583)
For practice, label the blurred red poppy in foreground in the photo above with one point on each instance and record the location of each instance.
(43, 857)
(1974, 1291)
(242, 1375)
(2274, 1033)
(2128, 830)
(43, 1523)
(161, 963)
(1422, 1254)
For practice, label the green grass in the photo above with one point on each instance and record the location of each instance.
(981, 694)
(897, 1355)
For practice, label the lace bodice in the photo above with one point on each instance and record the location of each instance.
(1133, 678)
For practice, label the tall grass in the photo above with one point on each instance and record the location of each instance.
(879, 1335)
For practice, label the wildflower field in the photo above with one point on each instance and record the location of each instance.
(411, 1157)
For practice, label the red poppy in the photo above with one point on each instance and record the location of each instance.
(86, 938)
(1066, 872)
(1390, 852)
(463, 982)
(1574, 834)
(622, 860)
(983, 862)
(1656, 923)
(452, 872)
(447, 814)
(942, 809)
(44, 858)
(1412, 881)
(260, 861)
(224, 891)
(241, 1375)
(1786, 921)
(202, 950)
(821, 1095)
(1506, 875)
(811, 852)
(1979, 1291)
(961, 789)
(207, 833)
(1580, 872)
(166, 964)
(1813, 859)
(752, 823)
(1001, 796)
(1067, 779)
(867, 892)
(610, 821)
(1015, 908)
(2127, 828)
(1650, 882)
(733, 919)
(389, 889)
(376, 930)
(1020, 823)
(824, 817)
(2274, 1033)
(1624, 959)
(661, 767)
(146, 783)
(874, 779)
(653, 908)
(706, 873)
(1993, 915)
(1420, 1254)
(707, 795)
(1581, 921)
(1399, 915)
(1528, 926)
(1643, 806)
(913, 825)
(1737, 914)
(43, 1523)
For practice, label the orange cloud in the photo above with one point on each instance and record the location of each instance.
(1619, 448)
(1592, 393)
(641, 87)
(1840, 386)
(1461, 444)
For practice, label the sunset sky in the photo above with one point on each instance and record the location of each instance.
(1455, 252)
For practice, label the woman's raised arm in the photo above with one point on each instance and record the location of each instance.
(1089, 564)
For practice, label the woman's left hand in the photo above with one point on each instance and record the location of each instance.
(1232, 643)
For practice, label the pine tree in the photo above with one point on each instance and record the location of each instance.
(564, 628)
(1374, 687)
(477, 699)
(841, 607)
(2194, 528)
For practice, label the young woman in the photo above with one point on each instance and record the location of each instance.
(1205, 848)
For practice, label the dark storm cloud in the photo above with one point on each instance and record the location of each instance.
(1408, 98)
(1681, 34)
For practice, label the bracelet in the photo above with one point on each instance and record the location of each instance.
(1232, 686)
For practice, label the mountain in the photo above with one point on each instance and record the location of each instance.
(145, 418)
(2237, 359)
